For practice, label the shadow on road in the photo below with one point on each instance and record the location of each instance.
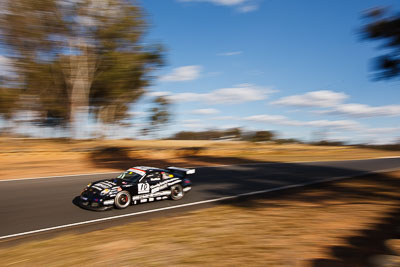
(359, 248)
(120, 158)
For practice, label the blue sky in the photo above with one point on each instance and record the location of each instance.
(298, 68)
(295, 67)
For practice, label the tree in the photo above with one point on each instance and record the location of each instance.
(234, 133)
(159, 114)
(382, 26)
(79, 56)
(8, 99)
(262, 136)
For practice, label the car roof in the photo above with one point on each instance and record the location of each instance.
(147, 168)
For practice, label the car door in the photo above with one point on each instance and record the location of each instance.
(150, 181)
(154, 180)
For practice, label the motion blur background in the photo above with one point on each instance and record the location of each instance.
(98, 86)
(321, 71)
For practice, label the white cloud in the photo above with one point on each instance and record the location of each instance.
(157, 93)
(361, 110)
(339, 124)
(282, 120)
(186, 97)
(333, 104)
(247, 8)
(383, 130)
(243, 6)
(323, 98)
(234, 95)
(193, 124)
(205, 111)
(278, 119)
(233, 53)
(238, 94)
(184, 73)
(196, 126)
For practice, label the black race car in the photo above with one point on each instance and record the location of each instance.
(136, 185)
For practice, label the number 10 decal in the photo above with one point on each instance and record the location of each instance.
(143, 188)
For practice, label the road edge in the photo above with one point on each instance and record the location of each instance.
(220, 199)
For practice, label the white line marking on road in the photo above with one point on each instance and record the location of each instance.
(330, 179)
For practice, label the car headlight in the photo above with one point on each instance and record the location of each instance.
(86, 188)
(105, 192)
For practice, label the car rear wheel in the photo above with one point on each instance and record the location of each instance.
(122, 200)
(176, 192)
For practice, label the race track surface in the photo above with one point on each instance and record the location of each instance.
(34, 204)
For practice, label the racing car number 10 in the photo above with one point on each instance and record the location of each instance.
(136, 185)
(143, 188)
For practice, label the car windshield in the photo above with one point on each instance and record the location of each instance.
(129, 176)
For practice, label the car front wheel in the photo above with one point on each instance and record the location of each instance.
(122, 200)
(176, 192)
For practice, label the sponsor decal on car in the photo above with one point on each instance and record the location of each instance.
(175, 182)
(97, 188)
(158, 194)
(109, 202)
(164, 184)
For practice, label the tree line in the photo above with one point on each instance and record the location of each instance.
(232, 134)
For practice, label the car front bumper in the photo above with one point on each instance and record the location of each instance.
(90, 204)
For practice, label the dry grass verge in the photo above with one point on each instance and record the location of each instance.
(34, 158)
(345, 223)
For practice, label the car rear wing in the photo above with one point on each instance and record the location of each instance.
(182, 171)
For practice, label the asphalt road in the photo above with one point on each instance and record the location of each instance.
(35, 204)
